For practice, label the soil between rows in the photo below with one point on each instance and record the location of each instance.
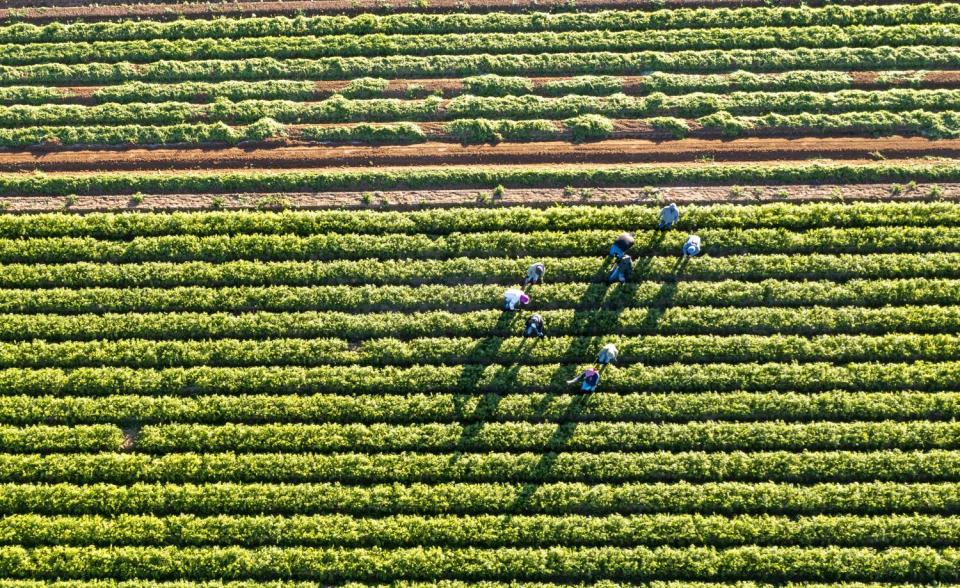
(544, 197)
(623, 151)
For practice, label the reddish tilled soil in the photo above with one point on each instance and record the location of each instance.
(612, 151)
(413, 199)
(67, 10)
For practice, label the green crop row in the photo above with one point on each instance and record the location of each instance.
(512, 436)
(218, 248)
(807, 377)
(377, 45)
(447, 408)
(368, 24)
(364, 298)
(142, 353)
(335, 565)
(483, 530)
(463, 109)
(468, 131)
(358, 468)
(491, 323)
(445, 221)
(558, 498)
(60, 439)
(462, 270)
(479, 177)
(485, 85)
(439, 66)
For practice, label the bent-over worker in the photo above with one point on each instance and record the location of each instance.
(534, 326)
(608, 354)
(621, 272)
(692, 247)
(621, 245)
(589, 379)
(514, 297)
(668, 216)
(534, 274)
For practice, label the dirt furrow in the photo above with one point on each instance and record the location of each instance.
(612, 151)
(413, 199)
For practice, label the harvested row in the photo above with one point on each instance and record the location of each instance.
(840, 406)
(464, 270)
(484, 530)
(555, 498)
(768, 293)
(358, 468)
(593, 436)
(140, 353)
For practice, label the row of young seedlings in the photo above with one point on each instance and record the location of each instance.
(509, 436)
(681, 407)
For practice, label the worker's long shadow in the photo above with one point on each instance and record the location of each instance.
(476, 363)
(584, 343)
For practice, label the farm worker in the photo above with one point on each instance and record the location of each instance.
(621, 245)
(608, 354)
(534, 326)
(621, 272)
(534, 274)
(692, 247)
(669, 215)
(589, 379)
(514, 297)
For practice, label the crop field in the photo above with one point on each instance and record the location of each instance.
(253, 258)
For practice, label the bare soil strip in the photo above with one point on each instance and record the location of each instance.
(413, 199)
(423, 154)
(67, 10)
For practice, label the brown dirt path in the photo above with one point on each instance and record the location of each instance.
(413, 199)
(66, 10)
(424, 154)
